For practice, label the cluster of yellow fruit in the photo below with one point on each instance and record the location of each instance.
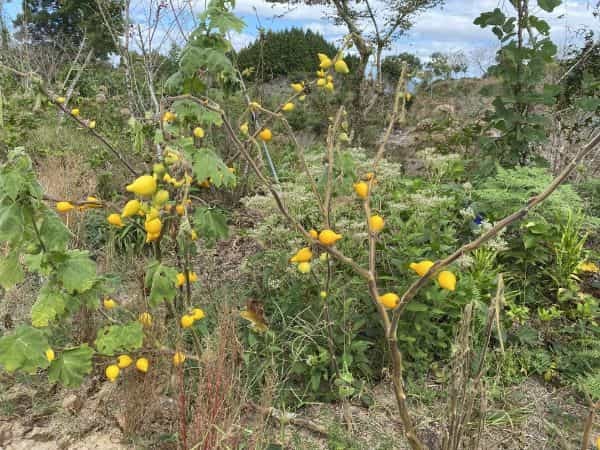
(90, 203)
(123, 362)
(146, 187)
(181, 278)
(187, 320)
(325, 80)
(446, 279)
(304, 256)
(75, 112)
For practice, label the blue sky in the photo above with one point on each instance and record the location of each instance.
(445, 28)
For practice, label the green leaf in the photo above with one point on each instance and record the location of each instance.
(119, 338)
(416, 307)
(187, 109)
(11, 271)
(71, 366)
(161, 280)
(539, 24)
(207, 164)
(211, 224)
(12, 222)
(49, 305)
(214, 61)
(55, 234)
(495, 17)
(77, 272)
(548, 5)
(25, 349)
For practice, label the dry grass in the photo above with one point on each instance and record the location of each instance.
(217, 406)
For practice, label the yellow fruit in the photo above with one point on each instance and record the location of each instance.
(180, 210)
(244, 128)
(288, 107)
(329, 86)
(369, 176)
(313, 233)
(178, 358)
(329, 237)
(152, 214)
(199, 132)
(187, 321)
(422, 267)
(303, 255)
(323, 256)
(193, 277)
(161, 197)
(197, 314)
(193, 235)
(408, 96)
(92, 124)
(180, 280)
(254, 106)
(144, 185)
(325, 61)
(376, 223)
(124, 361)
(321, 73)
(158, 168)
(329, 78)
(389, 300)
(447, 280)
(93, 202)
(151, 237)
(132, 207)
(64, 207)
(112, 372)
(302, 98)
(115, 220)
(142, 365)
(362, 189)
(145, 319)
(297, 87)
(169, 117)
(109, 303)
(75, 112)
(323, 294)
(231, 170)
(304, 267)
(205, 184)
(50, 356)
(60, 100)
(153, 226)
(321, 82)
(265, 135)
(341, 66)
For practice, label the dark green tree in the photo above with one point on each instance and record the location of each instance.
(42, 21)
(392, 66)
(284, 53)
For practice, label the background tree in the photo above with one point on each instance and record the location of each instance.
(391, 66)
(439, 65)
(283, 53)
(42, 21)
(387, 21)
